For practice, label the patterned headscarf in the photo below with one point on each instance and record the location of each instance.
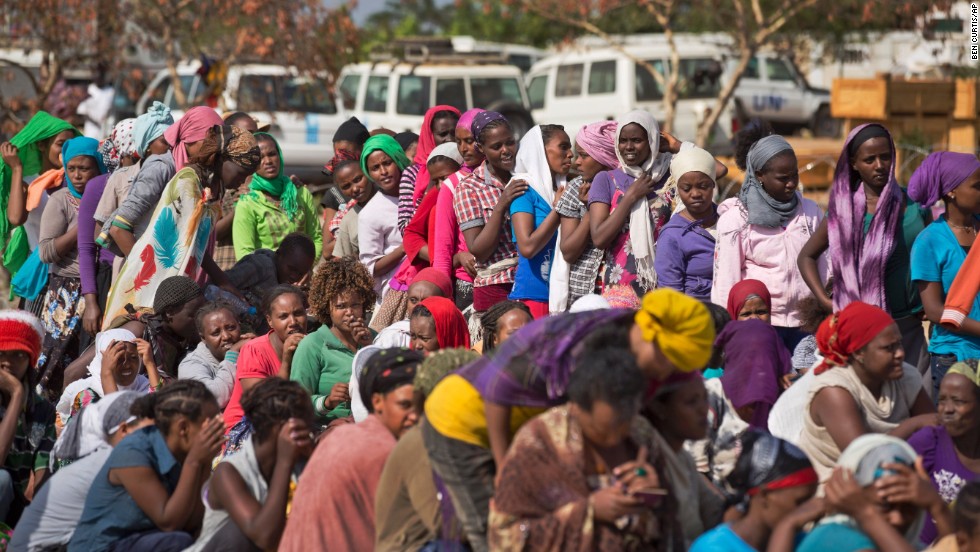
(482, 119)
(768, 463)
(120, 143)
(231, 144)
(387, 370)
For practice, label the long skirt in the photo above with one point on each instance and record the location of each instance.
(61, 317)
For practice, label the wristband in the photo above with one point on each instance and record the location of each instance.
(319, 405)
(232, 357)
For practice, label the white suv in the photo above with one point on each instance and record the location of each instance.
(303, 114)
(396, 94)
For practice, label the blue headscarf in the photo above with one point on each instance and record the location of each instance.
(150, 126)
(77, 147)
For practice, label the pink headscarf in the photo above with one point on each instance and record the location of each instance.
(192, 127)
(427, 142)
(466, 119)
(599, 141)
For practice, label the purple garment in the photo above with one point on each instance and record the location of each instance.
(755, 361)
(940, 461)
(858, 260)
(532, 367)
(88, 253)
(685, 257)
(940, 174)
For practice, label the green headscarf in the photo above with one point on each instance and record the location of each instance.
(41, 127)
(280, 187)
(387, 144)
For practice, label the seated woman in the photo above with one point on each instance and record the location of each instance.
(260, 271)
(543, 161)
(409, 508)
(271, 355)
(51, 518)
(274, 207)
(966, 522)
(215, 360)
(437, 324)
(595, 152)
(771, 479)
(63, 305)
(27, 421)
(499, 323)
(246, 498)
(678, 411)
(429, 282)
(341, 296)
(116, 367)
(686, 248)
(334, 503)
(756, 366)
(147, 495)
(762, 231)
(862, 386)
(578, 477)
(940, 252)
(353, 183)
(473, 413)
(951, 452)
(880, 499)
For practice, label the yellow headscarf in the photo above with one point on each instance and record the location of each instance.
(966, 371)
(680, 325)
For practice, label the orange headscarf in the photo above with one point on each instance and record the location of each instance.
(846, 332)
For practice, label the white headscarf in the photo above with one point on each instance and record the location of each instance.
(692, 160)
(657, 165)
(94, 381)
(532, 165)
(449, 150)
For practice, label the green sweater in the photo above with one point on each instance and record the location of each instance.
(260, 223)
(320, 362)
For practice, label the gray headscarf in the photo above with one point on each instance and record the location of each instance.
(762, 208)
(89, 430)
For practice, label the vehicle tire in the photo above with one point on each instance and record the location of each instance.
(825, 126)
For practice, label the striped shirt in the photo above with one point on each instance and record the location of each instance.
(406, 189)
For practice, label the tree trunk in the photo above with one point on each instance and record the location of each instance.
(670, 89)
(747, 52)
(172, 60)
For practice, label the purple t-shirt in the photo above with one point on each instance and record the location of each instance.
(939, 459)
(88, 252)
(685, 257)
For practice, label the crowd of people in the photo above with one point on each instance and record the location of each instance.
(479, 342)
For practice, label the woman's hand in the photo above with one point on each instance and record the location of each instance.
(844, 495)
(640, 189)
(466, 260)
(289, 347)
(145, 351)
(339, 394)
(245, 338)
(583, 192)
(669, 144)
(611, 503)
(360, 332)
(8, 152)
(637, 474)
(907, 485)
(207, 444)
(92, 317)
(11, 387)
(295, 441)
(512, 191)
(114, 355)
(558, 193)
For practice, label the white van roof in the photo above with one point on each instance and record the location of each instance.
(652, 50)
(433, 69)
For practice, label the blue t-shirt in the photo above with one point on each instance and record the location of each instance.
(110, 513)
(721, 538)
(837, 537)
(531, 281)
(937, 257)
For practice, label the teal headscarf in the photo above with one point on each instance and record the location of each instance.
(150, 126)
(280, 187)
(389, 146)
(41, 127)
(77, 147)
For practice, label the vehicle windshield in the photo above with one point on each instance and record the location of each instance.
(270, 93)
(488, 91)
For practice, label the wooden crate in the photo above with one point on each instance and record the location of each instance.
(963, 136)
(967, 107)
(921, 97)
(859, 99)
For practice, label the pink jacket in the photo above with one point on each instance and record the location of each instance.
(765, 254)
(448, 239)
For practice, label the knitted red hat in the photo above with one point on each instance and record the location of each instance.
(21, 331)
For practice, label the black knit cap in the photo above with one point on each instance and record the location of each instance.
(406, 139)
(352, 130)
(174, 292)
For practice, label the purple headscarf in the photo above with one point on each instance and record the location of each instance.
(755, 360)
(940, 174)
(532, 367)
(482, 119)
(858, 261)
(599, 141)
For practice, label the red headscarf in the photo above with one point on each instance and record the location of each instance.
(741, 292)
(192, 127)
(451, 329)
(437, 278)
(846, 332)
(427, 142)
